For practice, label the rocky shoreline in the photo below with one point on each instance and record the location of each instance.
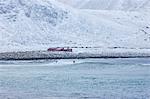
(36, 55)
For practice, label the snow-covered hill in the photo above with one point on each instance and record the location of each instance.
(39, 24)
(108, 4)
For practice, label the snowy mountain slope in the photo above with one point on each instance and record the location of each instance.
(30, 22)
(39, 24)
(108, 4)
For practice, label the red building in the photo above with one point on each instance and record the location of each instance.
(60, 49)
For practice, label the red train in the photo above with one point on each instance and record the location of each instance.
(60, 49)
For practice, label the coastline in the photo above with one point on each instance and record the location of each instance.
(37, 55)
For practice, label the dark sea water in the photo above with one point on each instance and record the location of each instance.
(84, 79)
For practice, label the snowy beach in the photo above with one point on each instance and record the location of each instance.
(77, 54)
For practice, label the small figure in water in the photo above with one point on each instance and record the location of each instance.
(74, 61)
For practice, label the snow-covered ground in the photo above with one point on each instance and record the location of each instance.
(40, 24)
(124, 5)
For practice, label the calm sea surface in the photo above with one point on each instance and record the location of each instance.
(81, 79)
